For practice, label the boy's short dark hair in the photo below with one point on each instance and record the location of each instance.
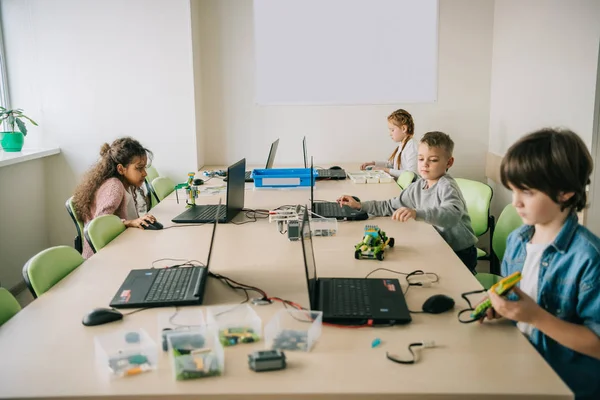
(553, 161)
(439, 139)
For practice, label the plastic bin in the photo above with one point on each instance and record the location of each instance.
(182, 320)
(125, 353)
(195, 354)
(235, 324)
(283, 177)
(293, 330)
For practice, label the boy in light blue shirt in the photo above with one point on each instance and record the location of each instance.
(558, 302)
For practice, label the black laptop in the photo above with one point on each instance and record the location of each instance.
(329, 209)
(352, 301)
(331, 174)
(270, 162)
(164, 287)
(235, 200)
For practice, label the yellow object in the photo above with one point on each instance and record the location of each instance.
(504, 285)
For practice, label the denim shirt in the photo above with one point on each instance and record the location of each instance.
(568, 288)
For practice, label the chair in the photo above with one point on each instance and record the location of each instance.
(78, 241)
(507, 222)
(151, 173)
(478, 197)
(9, 306)
(102, 230)
(163, 187)
(48, 267)
(405, 179)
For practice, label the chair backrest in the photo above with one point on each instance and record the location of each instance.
(151, 173)
(405, 179)
(153, 197)
(48, 267)
(9, 306)
(102, 230)
(478, 197)
(163, 187)
(78, 244)
(508, 221)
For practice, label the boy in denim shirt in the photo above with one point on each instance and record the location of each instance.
(558, 303)
(435, 199)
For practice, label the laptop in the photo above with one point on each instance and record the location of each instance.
(331, 174)
(329, 209)
(270, 162)
(165, 287)
(352, 301)
(235, 200)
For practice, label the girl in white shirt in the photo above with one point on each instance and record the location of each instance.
(404, 157)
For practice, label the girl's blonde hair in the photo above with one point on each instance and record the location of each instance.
(402, 118)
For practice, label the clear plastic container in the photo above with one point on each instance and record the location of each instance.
(181, 320)
(125, 353)
(293, 330)
(323, 226)
(195, 354)
(235, 324)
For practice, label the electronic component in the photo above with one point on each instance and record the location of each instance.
(266, 360)
(502, 287)
(293, 230)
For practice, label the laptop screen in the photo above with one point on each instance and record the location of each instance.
(212, 239)
(309, 261)
(305, 152)
(236, 187)
(272, 152)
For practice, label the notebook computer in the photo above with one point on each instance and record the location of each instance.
(329, 209)
(235, 200)
(164, 287)
(270, 162)
(352, 301)
(332, 174)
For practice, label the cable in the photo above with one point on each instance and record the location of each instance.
(191, 263)
(425, 345)
(407, 276)
(471, 308)
(253, 215)
(182, 226)
(138, 310)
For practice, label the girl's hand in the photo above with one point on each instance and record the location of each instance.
(404, 214)
(523, 310)
(365, 165)
(349, 201)
(141, 222)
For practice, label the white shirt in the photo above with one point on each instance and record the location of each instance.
(529, 278)
(407, 161)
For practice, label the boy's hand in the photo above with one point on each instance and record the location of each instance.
(404, 214)
(349, 201)
(523, 310)
(365, 165)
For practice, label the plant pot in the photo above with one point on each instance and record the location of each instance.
(11, 141)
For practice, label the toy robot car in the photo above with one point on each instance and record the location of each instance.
(373, 244)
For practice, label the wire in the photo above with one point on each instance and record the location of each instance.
(425, 345)
(253, 215)
(136, 311)
(191, 263)
(471, 308)
(182, 225)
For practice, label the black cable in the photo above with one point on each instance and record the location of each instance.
(471, 308)
(186, 262)
(135, 311)
(410, 348)
(407, 277)
(182, 226)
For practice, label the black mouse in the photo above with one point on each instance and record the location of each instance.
(356, 198)
(154, 226)
(198, 182)
(335, 167)
(438, 303)
(99, 316)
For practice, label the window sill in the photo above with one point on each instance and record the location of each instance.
(26, 155)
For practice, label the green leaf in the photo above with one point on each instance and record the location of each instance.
(30, 120)
(21, 126)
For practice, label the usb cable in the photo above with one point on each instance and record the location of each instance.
(424, 344)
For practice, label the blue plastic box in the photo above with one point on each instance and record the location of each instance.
(283, 177)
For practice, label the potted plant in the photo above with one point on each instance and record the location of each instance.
(12, 141)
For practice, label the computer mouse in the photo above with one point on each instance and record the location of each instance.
(356, 198)
(438, 303)
(99, 316)
(154, 226)
(335, 167)
(198, 182)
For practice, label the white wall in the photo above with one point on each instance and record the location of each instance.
(90, 71)
(544, 64)
(234, 127)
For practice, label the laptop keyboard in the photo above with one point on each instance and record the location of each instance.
(350, 298)
(170, 284)
(208, 212)
(330, 173)
(330, 210)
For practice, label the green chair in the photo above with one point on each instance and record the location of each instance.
(48, 267)
(151, 173)
(163, 187)
(478, 197)
(405, 179)
(508, 221)
(9, 306)
(78, 241)
(102, 230)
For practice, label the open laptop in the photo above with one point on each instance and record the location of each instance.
(235, 200)
(329, 209)
(352, 301)
(331, 174)
(164, 287)
(270, 162)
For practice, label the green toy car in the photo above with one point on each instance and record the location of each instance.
(373, 244)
